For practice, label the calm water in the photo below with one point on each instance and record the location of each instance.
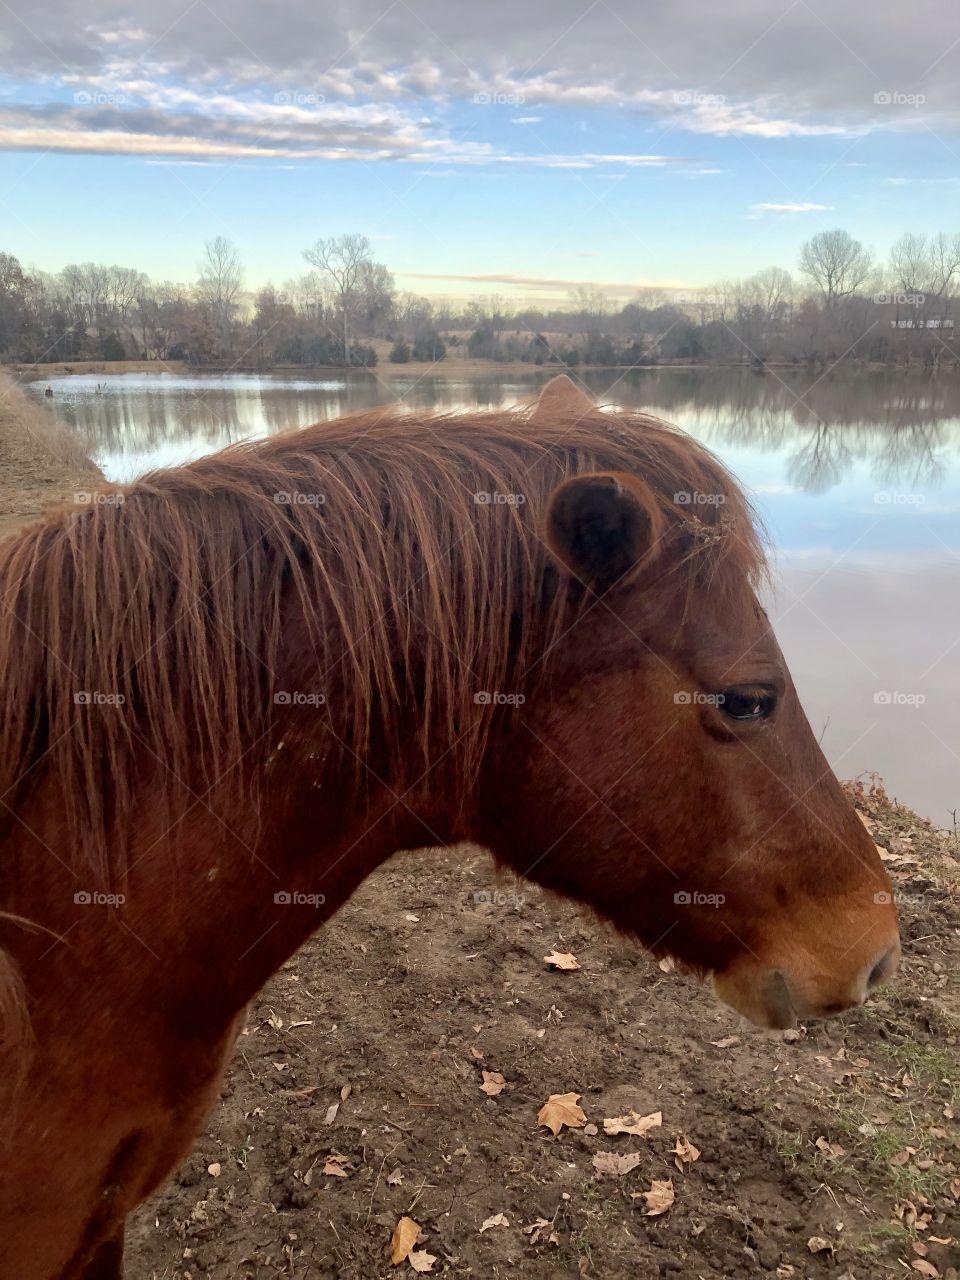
(856, 477)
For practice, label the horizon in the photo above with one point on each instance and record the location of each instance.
(609, 152)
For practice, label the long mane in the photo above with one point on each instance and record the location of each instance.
(150, 624)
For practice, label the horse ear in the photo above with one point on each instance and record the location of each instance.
(561, 397)
(605, 527)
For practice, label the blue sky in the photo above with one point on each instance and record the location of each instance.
(519, 150)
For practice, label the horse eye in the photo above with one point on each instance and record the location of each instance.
(745, 702)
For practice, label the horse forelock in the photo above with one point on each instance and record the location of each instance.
(148, 629)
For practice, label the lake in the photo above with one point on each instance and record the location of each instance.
(855, 474)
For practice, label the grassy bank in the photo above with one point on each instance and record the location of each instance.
(41, 461)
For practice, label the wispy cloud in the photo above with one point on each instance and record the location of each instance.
(804, 206)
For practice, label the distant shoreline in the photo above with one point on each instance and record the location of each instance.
(448, 368)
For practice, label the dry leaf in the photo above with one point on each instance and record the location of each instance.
(561, 1109)
(903, 1157)
(659, 1198)
(493, 1083)
(335, 1166)
(817, 1244)
(667, 964)
(561, 960)
(345, 1092)
(684, 1152)
(394, 1179)
(498, 1220)
(726, 1043)
(609, 1164)
(213, 1170)
(476, 1053)
(404, 1238)
(331, 1113)
(925, 1268)
(541, 1227)
(633, 1123)
(831, 1149)
(420, 1260)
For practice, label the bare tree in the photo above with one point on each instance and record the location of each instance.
(836, 263)
(220, 282)
(345, 261)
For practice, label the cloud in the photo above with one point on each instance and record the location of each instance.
(541, 282)
(801, 207)
(707, 70)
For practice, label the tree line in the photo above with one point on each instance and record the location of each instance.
(345, 309)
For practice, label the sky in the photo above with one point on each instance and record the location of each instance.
(519, 149)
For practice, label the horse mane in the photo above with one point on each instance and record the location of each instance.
(169, 598)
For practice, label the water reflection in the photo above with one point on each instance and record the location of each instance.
(905, 426)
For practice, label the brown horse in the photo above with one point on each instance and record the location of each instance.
(231, 690)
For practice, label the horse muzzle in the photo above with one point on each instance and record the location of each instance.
(780, 997)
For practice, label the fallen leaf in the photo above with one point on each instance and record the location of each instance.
(275, 1022)
(726, 1043)
(493, 1083)
(684, 1152)
(476, 1053)
(498, 1220)
(817, 1244)
(667, 964)
(659, 1198)
(831, 1149)
(561, 1109)
(335, 1166)
(925, 1268)
(345, 1092)
(420, 1260)
(539, 1228)
(561, 960)
(633, 1123)
(331, 1113)
(394, 1179)
(903, 1157)
(404, 1238)
(213, 1170)
(609, 1164)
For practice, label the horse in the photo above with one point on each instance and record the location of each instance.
(232, 689)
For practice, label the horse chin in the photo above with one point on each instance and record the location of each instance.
(765, 1003)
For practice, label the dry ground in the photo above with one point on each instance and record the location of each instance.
(355, 1099)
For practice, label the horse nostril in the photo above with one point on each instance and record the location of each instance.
(882, 969)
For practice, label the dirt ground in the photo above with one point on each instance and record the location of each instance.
(355, 1097)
